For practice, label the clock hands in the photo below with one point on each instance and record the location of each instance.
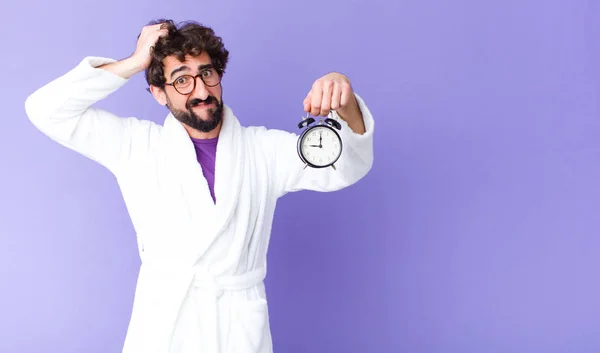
(320, 145)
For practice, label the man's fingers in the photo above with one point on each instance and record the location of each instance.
(336, 97)
(306, 103)
(326, 101)
(316, 98)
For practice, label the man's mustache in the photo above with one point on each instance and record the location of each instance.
(197, 101)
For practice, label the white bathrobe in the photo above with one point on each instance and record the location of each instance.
(200, 285)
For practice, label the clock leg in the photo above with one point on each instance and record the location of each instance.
(333, 166)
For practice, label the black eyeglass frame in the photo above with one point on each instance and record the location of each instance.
(193, 77)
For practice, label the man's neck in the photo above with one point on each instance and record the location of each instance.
(196, 134)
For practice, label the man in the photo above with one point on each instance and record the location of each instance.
(201, 189)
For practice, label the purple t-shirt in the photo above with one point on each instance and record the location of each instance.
(206, 151)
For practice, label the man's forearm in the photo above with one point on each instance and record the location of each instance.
(124, 68)
(352, 115)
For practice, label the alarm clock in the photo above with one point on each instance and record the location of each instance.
(319, 145)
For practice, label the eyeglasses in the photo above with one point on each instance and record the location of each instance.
(186, 84)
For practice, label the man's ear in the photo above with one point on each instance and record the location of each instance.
(159, 94)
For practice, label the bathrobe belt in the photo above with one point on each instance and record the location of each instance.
(210, 289)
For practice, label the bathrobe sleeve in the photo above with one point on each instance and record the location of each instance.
(354, 163)
(62, 110)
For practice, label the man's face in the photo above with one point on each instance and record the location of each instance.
(202, 108)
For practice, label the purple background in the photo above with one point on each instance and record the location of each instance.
(478, 229)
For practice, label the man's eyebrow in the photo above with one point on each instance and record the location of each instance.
(179, 69)
(185, 68)
(204, 67)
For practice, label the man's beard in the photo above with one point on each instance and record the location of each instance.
(191, 119)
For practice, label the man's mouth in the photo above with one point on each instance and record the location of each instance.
(202, 105)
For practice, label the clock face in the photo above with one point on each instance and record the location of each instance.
(321, 146)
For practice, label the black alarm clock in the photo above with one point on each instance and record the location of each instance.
(319, 145)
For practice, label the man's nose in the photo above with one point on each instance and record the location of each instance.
(201, 90)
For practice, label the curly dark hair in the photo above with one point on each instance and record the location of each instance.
(189, 38)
